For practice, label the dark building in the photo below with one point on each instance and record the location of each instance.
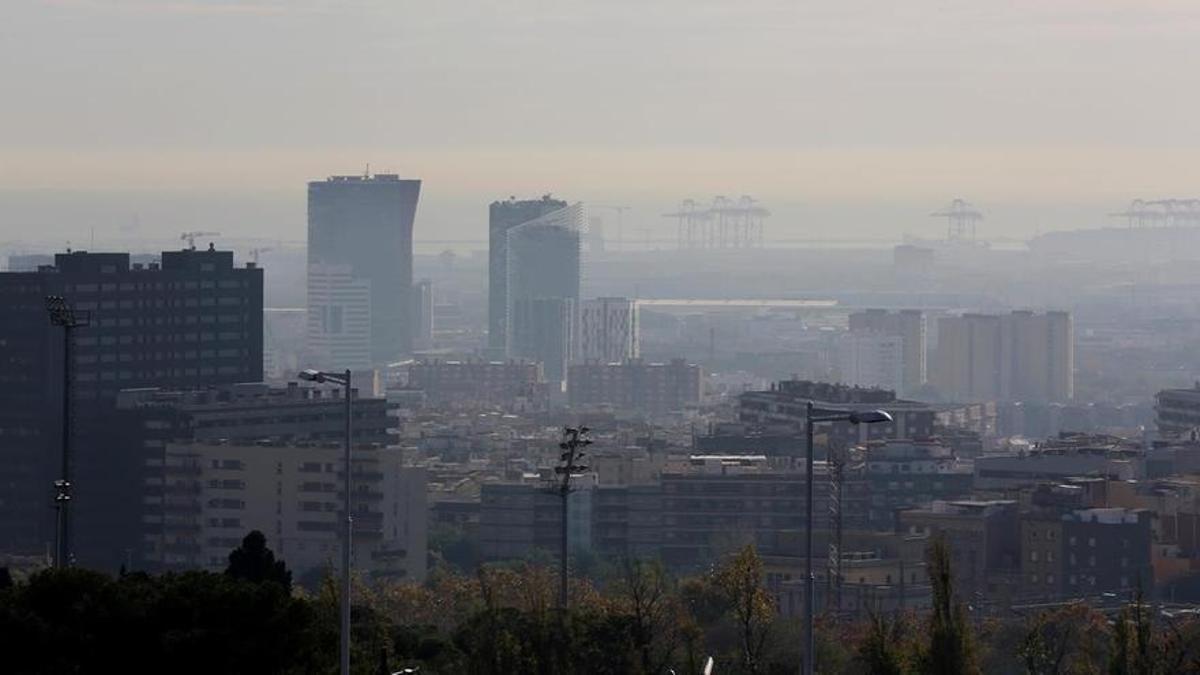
(543, 290)
(907, 474)
(783, 407)
(983, 537)
(193, 321)
(366, 223)
(1069, 550)
(502, 217)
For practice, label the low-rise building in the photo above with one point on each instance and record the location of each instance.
(635, 386)
(503, 384)
(1056, 460)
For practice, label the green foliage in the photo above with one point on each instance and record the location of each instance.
(453, 548)
(253, 561)
(77, 621)
(886, 646)
(951, 648)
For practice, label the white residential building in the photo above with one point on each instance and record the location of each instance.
(871, 360)
(608, 330)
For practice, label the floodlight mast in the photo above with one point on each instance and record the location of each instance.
(61, 313)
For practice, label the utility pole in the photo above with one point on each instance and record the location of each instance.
(62, 314)
(574, 439)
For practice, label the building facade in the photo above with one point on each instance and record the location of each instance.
(784, 405)
(543, 289)
(1020, 356)
(213, 492)
(483, 383)
(871, 360)
(608, 330)
(193, 320)
(502, 217)
(366, 224)
(910, 326)
(339, 319)
(636, 386)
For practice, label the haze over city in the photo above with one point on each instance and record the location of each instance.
(860, 116)
(675, 337)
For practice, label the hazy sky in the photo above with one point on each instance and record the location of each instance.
(856, 115)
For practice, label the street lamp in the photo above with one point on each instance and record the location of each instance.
(62, 314)
(320, 377)
(814, 416)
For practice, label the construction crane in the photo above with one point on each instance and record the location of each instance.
(255, 252)
(620, 219)
(190, 237)
(960, 217)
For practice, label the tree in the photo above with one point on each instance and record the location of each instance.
(951, 648)
(1064, 640)
(739, 579)
(6, 580)
(253, 561)
(645, 596)
(882, 650)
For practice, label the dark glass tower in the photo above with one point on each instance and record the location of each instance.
(366, 223)
(543, 289)
(502, 217)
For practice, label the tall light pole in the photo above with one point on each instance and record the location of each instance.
(348, 533)
(62, 314)
(573, 442)
(812, 417)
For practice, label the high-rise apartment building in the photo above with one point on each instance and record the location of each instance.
(366, 223)
(608, 330)
(909, 325)
(1020, 356)
(193, 320)
(339, 318)
(502, 217)
(871, 360)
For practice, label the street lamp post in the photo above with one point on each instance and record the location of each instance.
(348, 533)
(813, 416)
(62, 314)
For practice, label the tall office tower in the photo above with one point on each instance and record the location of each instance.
(366, 223)
(1020, 356)
(339, 319)
(423, 314)
(543, 289)
(544, 331)
(608, 330)
(871, 360)
(502, 217)
(908, 324)
(193, 321)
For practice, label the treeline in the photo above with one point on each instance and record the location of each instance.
(638, 620)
